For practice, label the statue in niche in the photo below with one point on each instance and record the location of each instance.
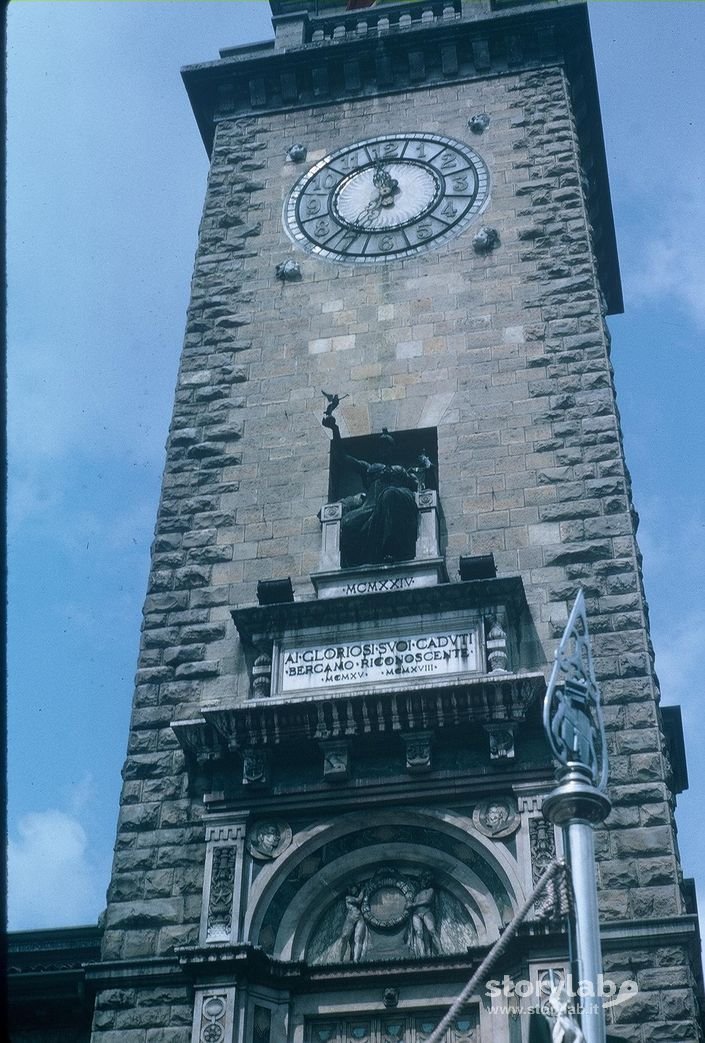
(354, 932)
(423, 937)
(378, 526)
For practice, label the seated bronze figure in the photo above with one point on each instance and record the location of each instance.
(379, 526)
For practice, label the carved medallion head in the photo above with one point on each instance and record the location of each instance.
(268, 839)
(496, 818)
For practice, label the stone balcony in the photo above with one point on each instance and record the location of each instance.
(408, 662)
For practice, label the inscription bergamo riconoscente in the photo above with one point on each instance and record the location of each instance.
(360, 662)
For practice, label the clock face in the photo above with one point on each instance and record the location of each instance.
(387, 197)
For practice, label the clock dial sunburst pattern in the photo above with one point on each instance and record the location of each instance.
(387, 197)
(357, 195)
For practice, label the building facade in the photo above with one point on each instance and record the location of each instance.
(332, 794)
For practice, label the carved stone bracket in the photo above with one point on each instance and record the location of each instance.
(336, 760)
(418, 751)
(199, 741)
(501, 738)
(255, 767)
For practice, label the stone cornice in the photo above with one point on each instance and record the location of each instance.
(270, 620)
(353, 67)
(52, 950)
(671, 930)
(205, 963)
(395, 791)
(487, 699)
(252, 963)
(153, 970)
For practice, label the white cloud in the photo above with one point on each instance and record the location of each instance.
(666, 257)
(54, 880)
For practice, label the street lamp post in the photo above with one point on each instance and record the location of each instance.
(576, 734)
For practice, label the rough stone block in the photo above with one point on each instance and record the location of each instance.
(139, 816)
(122, 1036)
(115, 999)
(203, 669)
(168, 1035)
(653, 871)
(635, 842)
(154, 913)
(640, 1009)
(145, 766)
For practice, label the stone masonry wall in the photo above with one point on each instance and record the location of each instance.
(506, 354)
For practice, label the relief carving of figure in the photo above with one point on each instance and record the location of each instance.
(383, 527)
(390, 915)
(423, 936)
(354, 932)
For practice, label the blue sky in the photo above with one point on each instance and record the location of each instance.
(106, 178)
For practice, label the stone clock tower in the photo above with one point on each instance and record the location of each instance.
(332, 801)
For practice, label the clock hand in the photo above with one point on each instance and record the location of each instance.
(387, 185)
(369, 213)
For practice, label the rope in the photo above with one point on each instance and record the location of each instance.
(497, 950)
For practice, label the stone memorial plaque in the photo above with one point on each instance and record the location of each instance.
(440, 654)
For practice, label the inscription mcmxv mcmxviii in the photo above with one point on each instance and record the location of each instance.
(324, 666)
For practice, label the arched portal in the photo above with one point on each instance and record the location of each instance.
(415, 884)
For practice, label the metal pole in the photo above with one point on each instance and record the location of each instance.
(574, 728)
(576, 805)
(581, 855)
